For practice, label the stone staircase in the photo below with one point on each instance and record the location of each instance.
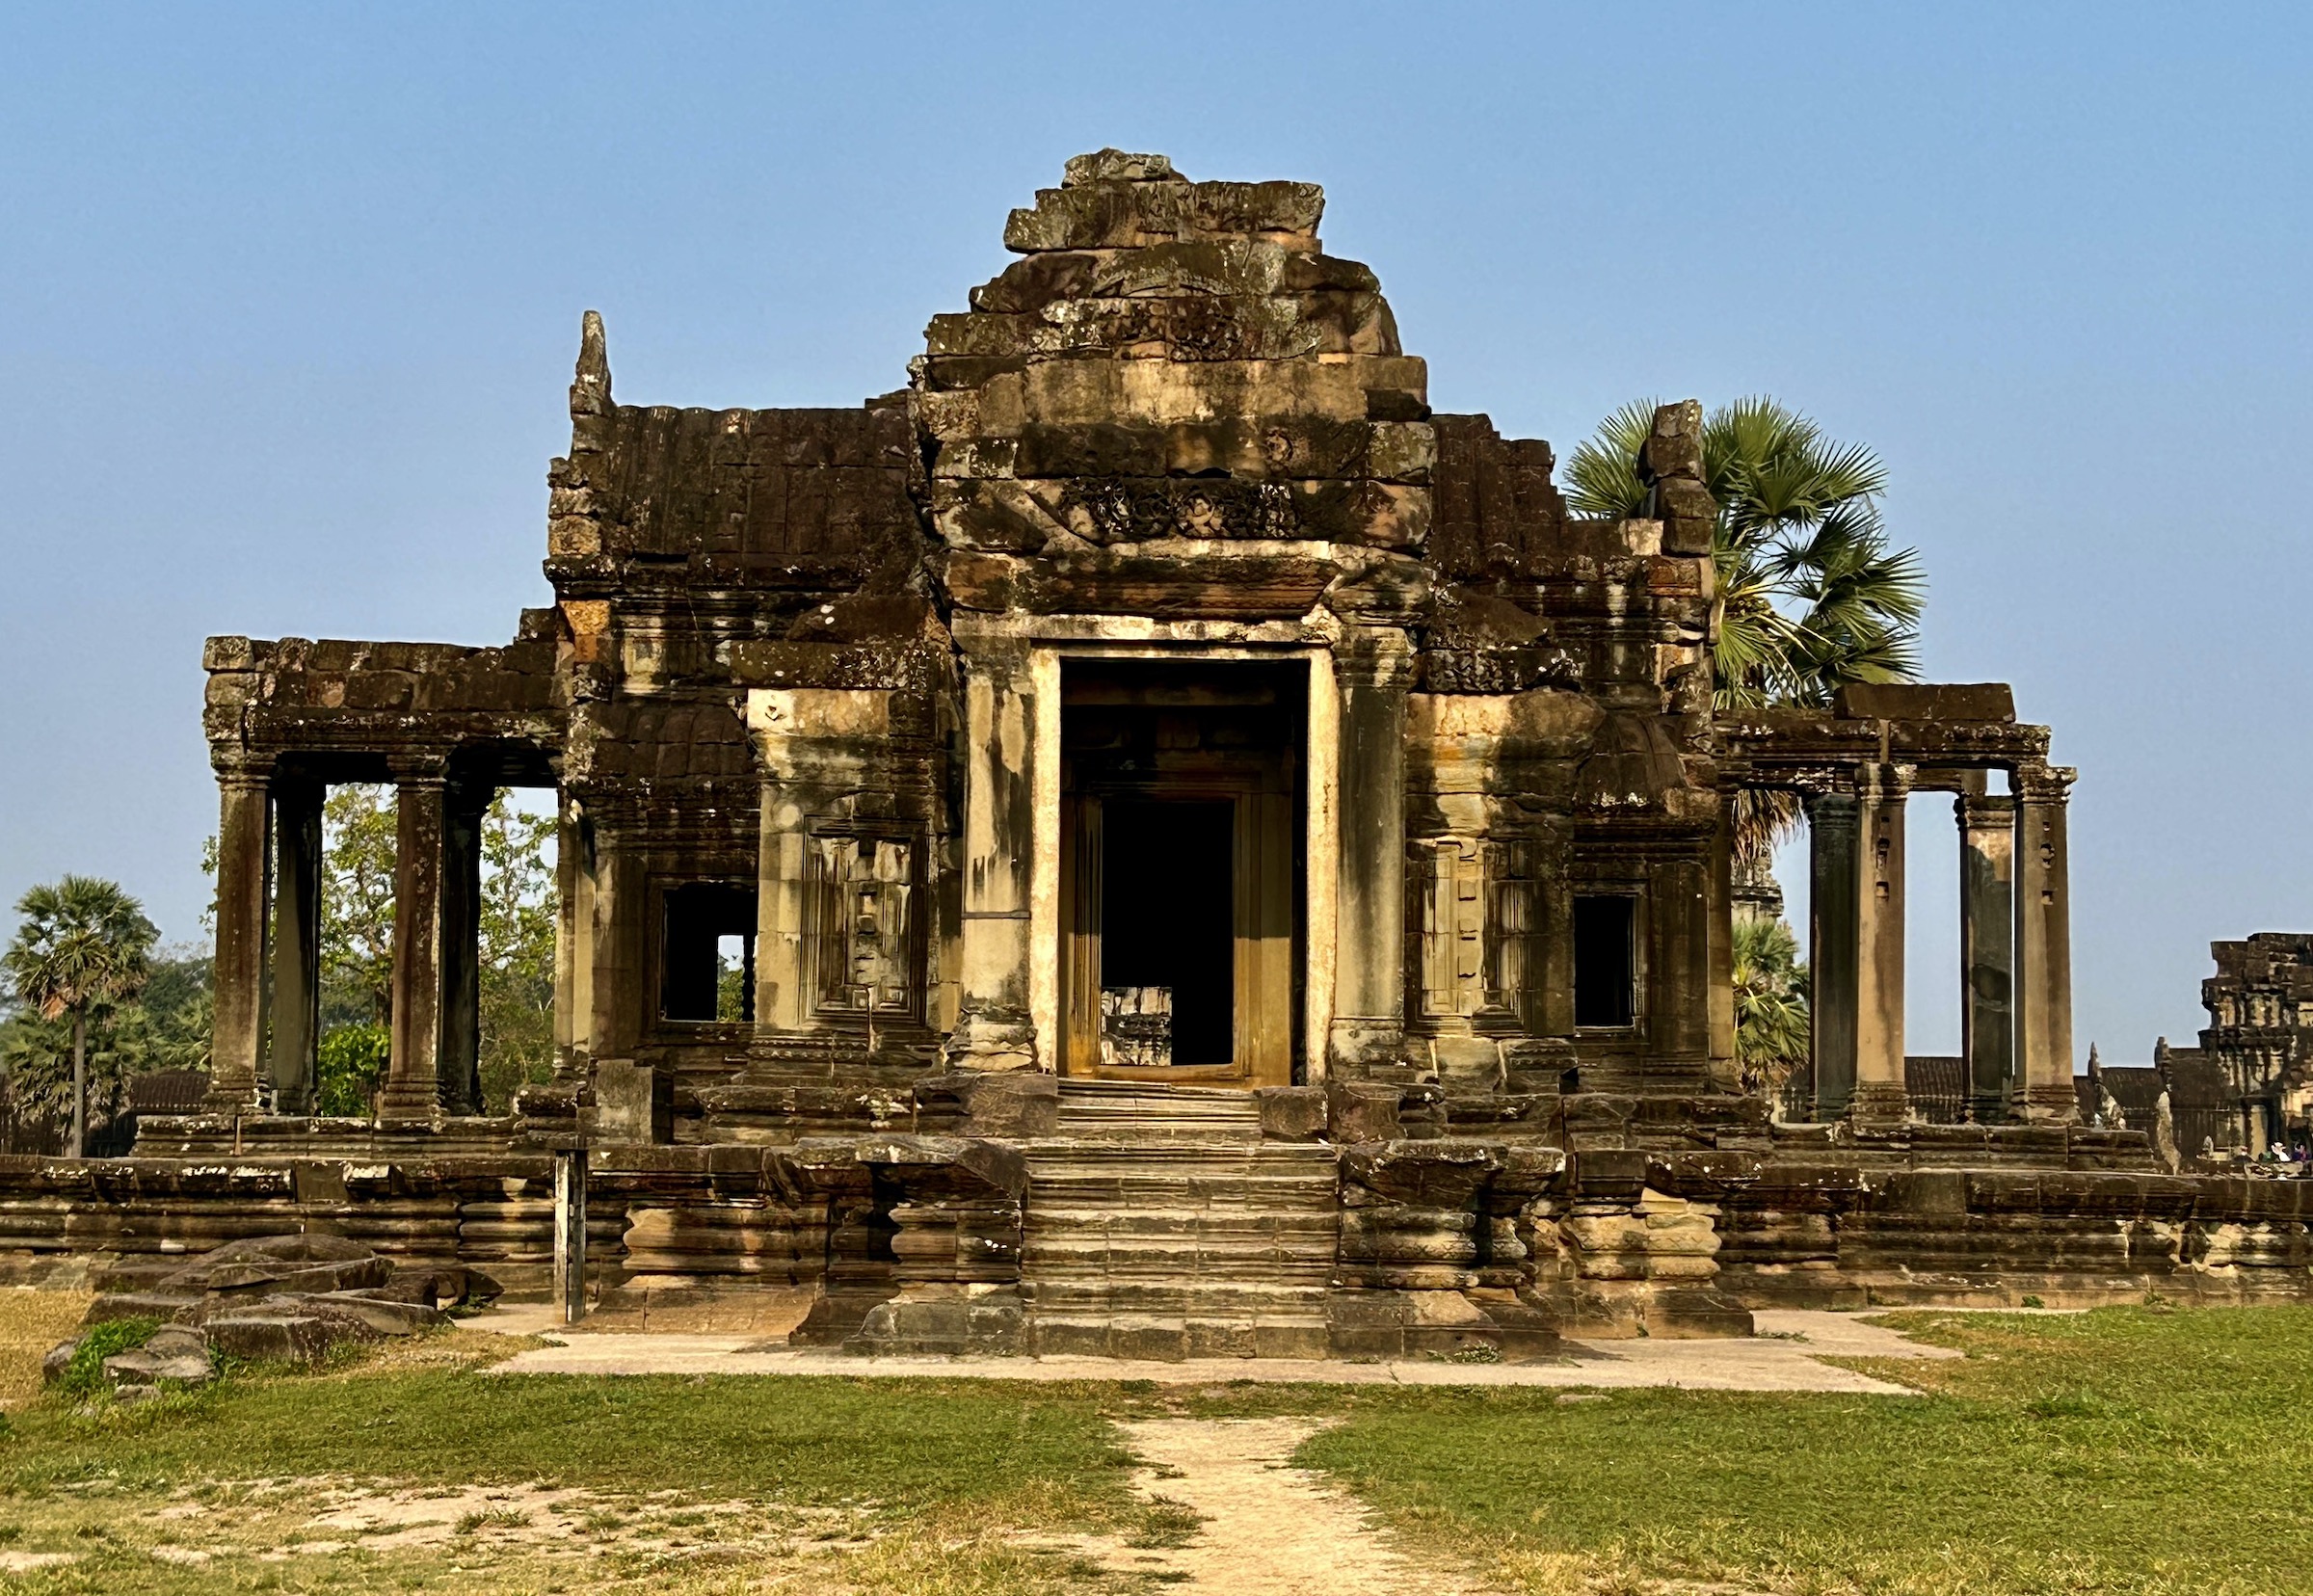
(1159, 1224)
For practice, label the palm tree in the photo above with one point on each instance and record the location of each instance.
(1809, 594)
(83, 944)
(1772, 1024)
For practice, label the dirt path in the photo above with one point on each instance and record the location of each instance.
(1271, 1529)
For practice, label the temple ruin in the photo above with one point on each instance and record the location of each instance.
(1221, 861)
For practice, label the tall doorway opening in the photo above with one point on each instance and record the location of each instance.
(1181, 870)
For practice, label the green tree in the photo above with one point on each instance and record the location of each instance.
(516, 951)
(357, 905)
(1772, 1022)
(83, 947)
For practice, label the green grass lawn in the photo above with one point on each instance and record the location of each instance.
(2126, 1451)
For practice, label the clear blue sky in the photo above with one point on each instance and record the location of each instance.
(289, 297)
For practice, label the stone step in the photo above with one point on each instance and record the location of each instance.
(1219, 1199)
(1159, 1112)
(1200, 1256)
(1204, 1300)
(1174, 1337)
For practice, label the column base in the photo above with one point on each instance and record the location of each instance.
(231, 1101)
(1356, 1047)
(2049, 1105)
(991, 1042)
(1879, 1104)
(406, 1105)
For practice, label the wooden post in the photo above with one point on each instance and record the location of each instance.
(569, 1232)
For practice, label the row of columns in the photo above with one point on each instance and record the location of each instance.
(268, 972)
(2016, 947)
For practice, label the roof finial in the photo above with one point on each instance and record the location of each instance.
(589, 391)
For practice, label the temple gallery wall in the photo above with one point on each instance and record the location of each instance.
(1152, 778)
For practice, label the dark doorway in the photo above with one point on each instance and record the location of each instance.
(707, 954)
(1168, 917)
(1606, 960)
(1181, 869)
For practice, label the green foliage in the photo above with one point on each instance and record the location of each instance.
(358, 822)
(518, 952)
(351, 1063)
(80, 942)
(1773, 1030)
(84, 1376)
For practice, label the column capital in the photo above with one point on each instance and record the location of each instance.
(1983, 810)
(1374, 656)
(2043, 783)
(1884, 781)
(241, 768)
(418, 769)
(1833, 805)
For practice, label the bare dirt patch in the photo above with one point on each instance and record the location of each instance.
(1267, 1527)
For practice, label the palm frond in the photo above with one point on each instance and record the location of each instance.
(1602, 478)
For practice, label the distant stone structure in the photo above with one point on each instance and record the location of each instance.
(1219, 860)
(2260, 1037)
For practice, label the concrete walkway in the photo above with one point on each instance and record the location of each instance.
(1785, 1356)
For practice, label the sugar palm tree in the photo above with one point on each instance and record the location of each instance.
(1811, 595)
(83, 944)
(1772, 1024)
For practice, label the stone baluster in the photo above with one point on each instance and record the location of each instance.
(296, 1004)
(1880, 1097)
(1373, 670)
(2044, 946)
(242, 889)
(1988, 925)
(1832, 834)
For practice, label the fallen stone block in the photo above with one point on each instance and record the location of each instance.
(437, 1285)
(144, 1366)
(382, 1314)
(288, 1338)
(127, 1305)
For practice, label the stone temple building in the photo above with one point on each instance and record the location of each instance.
(2260, 1039)
(1221, 860)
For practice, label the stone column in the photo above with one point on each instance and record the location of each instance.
(1880, 1098)
(1987, 927)
(296, 1005)
(1373, 668)
(240, 969)
(995, 1028)
(617, 1002)
(1832, 819)
(569, 942)
(459, 1064)
(2044, 948)
(1725, 1068)
(412, 1070)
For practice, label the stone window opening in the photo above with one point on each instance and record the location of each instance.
(1606, 961)
(706, 960)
